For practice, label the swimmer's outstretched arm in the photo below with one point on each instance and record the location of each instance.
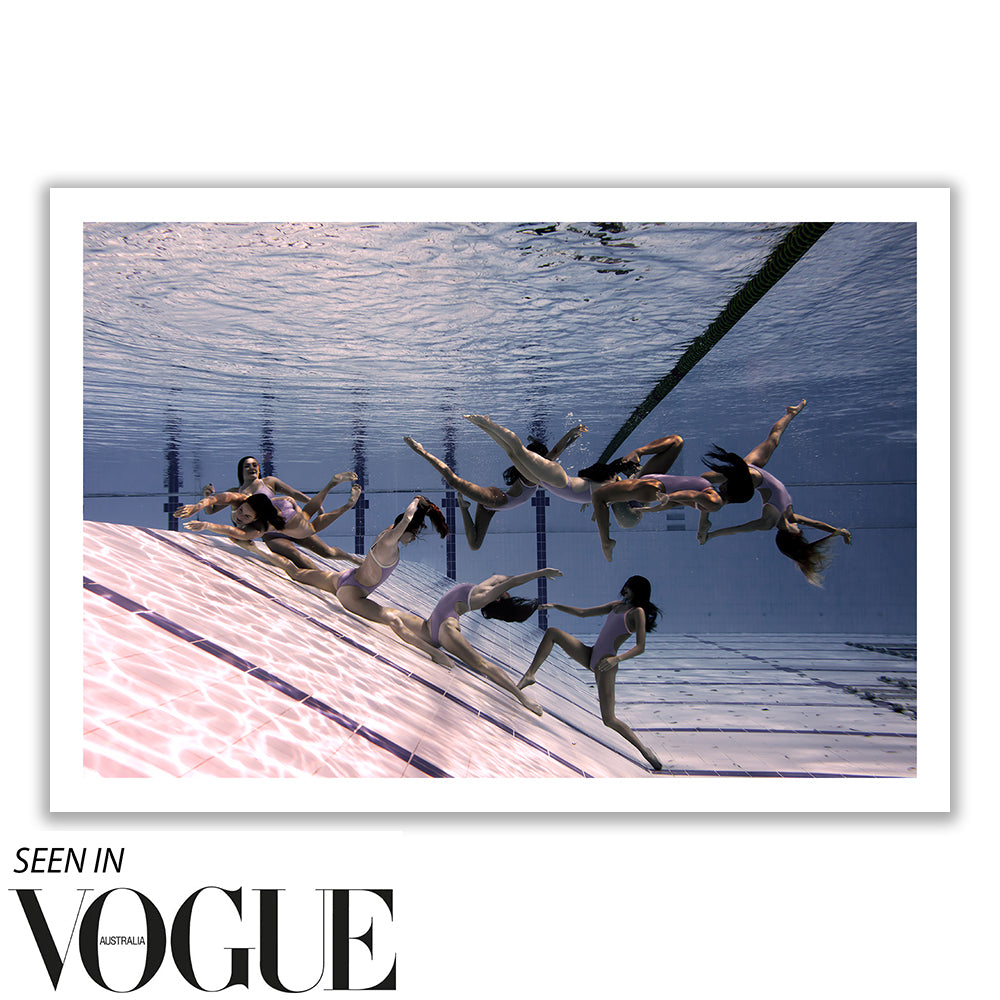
(821, 526)
(492, 588)
(762, 523)
(237, 534)
(216, 502)
(603, 609)
(395, 533)
(707, 500)
(564, 442)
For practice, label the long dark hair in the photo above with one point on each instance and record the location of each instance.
(601, 472)
(425, 511)
(266, 512)
(811, 557)
(511, 475)
(739, 486)
(641, 588)
(510, 609)
(239, 467)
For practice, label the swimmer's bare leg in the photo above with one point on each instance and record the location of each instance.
(530, 465)
(458, 645)
(316, 544)
(760, 455)
(284, 547)
(481, 494)
(704, 524)
(662, 453)
(579, 651)
(606, 696)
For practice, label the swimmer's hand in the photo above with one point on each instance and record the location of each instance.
(845, 534)
(653, 507)
(197, 526)
(606, 663)
(186, 510)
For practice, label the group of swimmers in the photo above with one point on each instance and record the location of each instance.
(266, 508)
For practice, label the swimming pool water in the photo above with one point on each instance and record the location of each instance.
(317, 346)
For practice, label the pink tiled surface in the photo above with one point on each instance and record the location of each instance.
(155, 704)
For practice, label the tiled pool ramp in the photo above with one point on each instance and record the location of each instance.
(201, 659)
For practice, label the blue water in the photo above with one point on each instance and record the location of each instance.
(316, 347)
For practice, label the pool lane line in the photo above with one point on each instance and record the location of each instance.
(833, 685)
(390, 663)
(259, 673)
(795, 244)
(758, 731)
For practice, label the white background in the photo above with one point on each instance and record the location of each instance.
(556, 94)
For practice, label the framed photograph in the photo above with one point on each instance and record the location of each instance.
(591, 516)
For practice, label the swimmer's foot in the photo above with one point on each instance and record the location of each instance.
(703, 531)
(415, 445)
(530, 704)
(796, 410)
(608, 548)
(654, 761)
(526, 681)
(343, 477)
(503, 437)
(479, 420)
(550, 573)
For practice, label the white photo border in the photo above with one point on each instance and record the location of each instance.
(72, 789)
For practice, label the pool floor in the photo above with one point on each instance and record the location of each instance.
(202, 659)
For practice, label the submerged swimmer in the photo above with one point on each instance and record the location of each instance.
(441, 629)
(491, 499)
(354, 585)
(251, 482)
(777, 513)
(492, 599)
(653, 488)
(542, 469)
(255, 515)
(634, 615)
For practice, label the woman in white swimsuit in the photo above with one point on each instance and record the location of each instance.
(777, 513)
(354, 585)
(251, 481)
(634, 615)
(256, 515)
(491, 499)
